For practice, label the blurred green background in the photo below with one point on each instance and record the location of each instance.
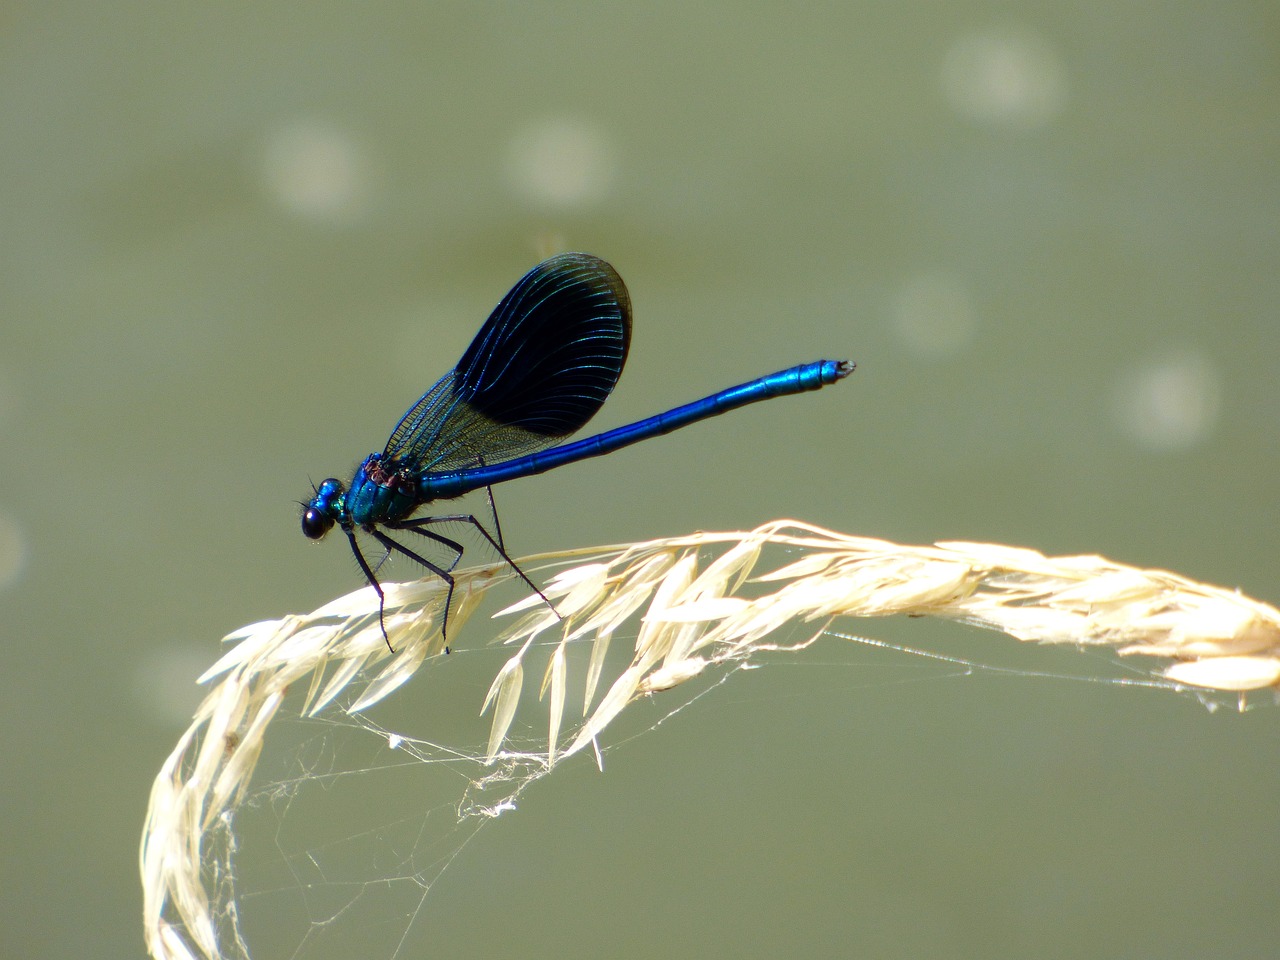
(240, 239)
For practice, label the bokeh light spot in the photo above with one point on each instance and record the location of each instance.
(562, 162)
(1008, 77)
(1170, 403)
(316, 170)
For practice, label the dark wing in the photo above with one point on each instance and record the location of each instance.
(540, 367)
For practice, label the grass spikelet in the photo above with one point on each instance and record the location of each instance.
(704, 599)
(209, 770)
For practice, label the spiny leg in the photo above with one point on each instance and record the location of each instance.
(416, 527)
(440, 572)
(373, 582)
(497, 526)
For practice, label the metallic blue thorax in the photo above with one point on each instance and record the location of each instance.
(381, 490)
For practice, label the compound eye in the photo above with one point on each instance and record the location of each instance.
(315, 524)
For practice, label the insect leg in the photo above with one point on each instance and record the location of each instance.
(440, 572)
(496, 543)
(373, 582)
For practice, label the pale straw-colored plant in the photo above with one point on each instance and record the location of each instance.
(704, 599)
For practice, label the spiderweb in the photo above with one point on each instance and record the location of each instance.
(327, 836)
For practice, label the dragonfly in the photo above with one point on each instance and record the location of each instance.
(541, 366)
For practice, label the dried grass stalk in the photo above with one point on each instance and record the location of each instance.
(694, 616)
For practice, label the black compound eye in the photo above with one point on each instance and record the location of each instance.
(315, 524)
